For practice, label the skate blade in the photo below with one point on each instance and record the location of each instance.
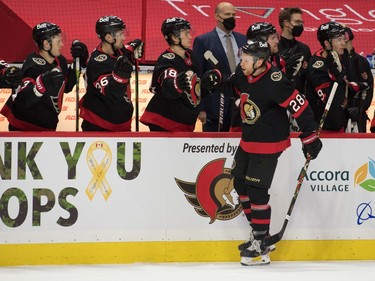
(260, 260)
(246, 245)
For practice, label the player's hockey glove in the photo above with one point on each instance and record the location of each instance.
(336, 70)
(211, 79)
(353, 113)
(79, 50)
(311, 144)
(182, 83)
(358, 87)
(291, 61)
(293, 64)
(49, 82)
(13, 76)
(123, 70)
(134, 48)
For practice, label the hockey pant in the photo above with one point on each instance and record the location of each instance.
(253, 175)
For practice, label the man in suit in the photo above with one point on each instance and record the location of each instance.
(224, 43)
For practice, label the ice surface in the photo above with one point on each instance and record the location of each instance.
(290, 271)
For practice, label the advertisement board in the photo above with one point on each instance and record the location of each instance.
(67, 189)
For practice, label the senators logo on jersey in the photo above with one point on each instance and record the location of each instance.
(101, 57)
(39, 61)
(318, 64)
(250, 112)
(169, 56)
(276, 76)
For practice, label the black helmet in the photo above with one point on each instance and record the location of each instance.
(174, 26)
(45, 31)
(329, 30)
(108, 24)
(260, 31)
(348, 33)
(259, 49)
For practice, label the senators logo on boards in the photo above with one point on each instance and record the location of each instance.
(213, 194)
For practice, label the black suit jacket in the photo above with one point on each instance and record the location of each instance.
(211, 103)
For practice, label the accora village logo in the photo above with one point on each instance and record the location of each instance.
(365, 176)
(212, 194)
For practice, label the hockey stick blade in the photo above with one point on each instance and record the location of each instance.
(273, 239)
(209, 56)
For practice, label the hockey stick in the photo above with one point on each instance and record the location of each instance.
(136, 74)
(278, 236)
(209, 56)
(78, 75)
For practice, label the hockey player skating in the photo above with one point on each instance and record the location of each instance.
(107, 104)
(35, 106)
(266, 94)
(176, 88)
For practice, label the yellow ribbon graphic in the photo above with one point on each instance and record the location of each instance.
(99, 170)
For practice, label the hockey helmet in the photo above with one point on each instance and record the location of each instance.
(45, 31)
(173, 26)
(329, 30)
(260, 31)
(348, 33)
(259, 49)
(108, 24)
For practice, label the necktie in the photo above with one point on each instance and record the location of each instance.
(230, 54)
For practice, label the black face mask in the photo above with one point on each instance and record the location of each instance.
(297, 30)
(229, 23)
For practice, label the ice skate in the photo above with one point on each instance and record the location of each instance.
(255, 255)
(248, 243)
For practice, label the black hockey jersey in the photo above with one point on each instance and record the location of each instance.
(358, 70)
(318, 89)
(265, 100)
(3, 66)
(26, 111)
(168, 108)
(107, 103)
